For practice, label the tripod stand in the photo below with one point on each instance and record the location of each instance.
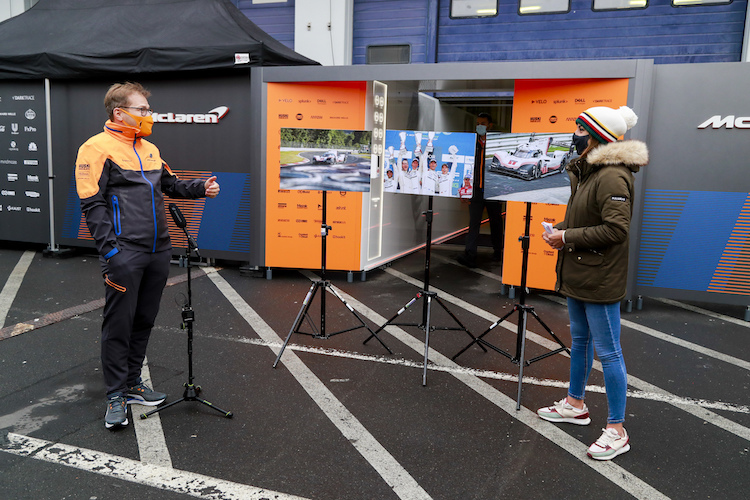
(314, 288)
(523, 313)
(188, 316)
(428, 297)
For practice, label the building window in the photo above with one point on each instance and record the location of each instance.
(388, 54)
(619, 4)
(526, 7)
(687, 3)
(473, 8)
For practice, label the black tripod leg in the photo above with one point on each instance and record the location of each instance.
(426, 340)
(227, 414)
(521, 353)
(156, 410)
(539, 320)
(473, 338)
(302, 312)
(351, 309)
(399, 313)
(479, 339)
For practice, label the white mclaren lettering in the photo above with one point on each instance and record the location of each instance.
(210, 118)
(729, 121)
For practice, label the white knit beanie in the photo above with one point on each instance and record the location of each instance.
(607, 124)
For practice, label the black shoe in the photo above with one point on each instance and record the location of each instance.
(467, 261)
(117, 413)
(141, 394)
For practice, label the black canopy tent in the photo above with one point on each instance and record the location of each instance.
(58, 58)
(73, 39)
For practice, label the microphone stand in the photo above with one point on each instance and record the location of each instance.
(188, 317)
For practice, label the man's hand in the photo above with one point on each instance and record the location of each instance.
(212, 187)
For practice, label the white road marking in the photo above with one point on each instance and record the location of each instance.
(616, 474)
(380, 459)
(156, 476)
(740, 363)
(705, 312)
(11, 287)
(702, 413)
(485, 374)
(152, 445)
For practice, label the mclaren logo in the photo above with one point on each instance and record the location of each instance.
(212, 117)
(729, 122)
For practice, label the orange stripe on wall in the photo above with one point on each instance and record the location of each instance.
(732, 274)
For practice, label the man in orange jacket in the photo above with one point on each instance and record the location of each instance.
(120, 179)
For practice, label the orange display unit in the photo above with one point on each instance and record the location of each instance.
(552, 106)
(293, 218)
(542, 258)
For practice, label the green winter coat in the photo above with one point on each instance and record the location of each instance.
(593, 264)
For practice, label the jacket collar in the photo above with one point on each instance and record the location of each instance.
(631, 153)
(121, 131)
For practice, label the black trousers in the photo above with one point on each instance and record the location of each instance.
(134, 282)
(495, 214)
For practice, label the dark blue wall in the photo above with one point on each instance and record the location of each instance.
(276, 19)
(661, 32)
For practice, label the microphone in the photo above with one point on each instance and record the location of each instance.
(180, 222)
(179, 219)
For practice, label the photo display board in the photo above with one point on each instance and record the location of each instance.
(527, 167)
(429, 163)
(325, 160)
(294, 216)
(24, 189)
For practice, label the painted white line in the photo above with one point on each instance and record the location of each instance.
(152, 445)
(705, 312)
(156, 476)
(380, 459)
(740, 363)
(485, 374)
(11, 287)
(701, 413)
(616, 474)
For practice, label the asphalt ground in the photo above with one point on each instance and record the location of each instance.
(339, 419)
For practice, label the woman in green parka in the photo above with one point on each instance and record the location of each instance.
(592, 268)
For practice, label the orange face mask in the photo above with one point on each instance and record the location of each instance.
(144, 124)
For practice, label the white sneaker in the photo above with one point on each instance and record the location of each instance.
(564, 412)
(609, 445)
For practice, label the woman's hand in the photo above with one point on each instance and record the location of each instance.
(554, 239)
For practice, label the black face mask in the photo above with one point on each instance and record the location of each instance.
(580, 142)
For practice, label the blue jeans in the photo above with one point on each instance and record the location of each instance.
(597, 326)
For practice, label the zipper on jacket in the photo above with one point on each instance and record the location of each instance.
(153, 202)
(116, 215)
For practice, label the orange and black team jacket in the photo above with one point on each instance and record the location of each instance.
(120, 179)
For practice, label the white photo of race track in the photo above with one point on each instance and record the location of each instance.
(528, 167)
(325, 159)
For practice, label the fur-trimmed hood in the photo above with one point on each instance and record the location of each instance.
(631, 153)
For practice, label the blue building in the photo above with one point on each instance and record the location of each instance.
(436, 31)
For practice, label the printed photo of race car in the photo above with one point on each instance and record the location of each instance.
(329, 157)
(530, 160)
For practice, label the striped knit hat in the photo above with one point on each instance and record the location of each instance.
(607, 124)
